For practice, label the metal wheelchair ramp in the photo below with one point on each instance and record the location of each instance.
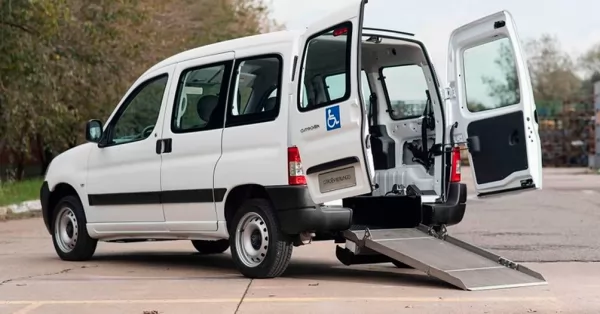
(446, 258)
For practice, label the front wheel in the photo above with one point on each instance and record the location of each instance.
(258, 247)
(69, 233)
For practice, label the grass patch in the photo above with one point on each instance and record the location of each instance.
(21, 191)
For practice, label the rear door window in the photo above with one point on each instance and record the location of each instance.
(327, 53)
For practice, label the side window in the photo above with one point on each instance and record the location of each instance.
(255, 93)
(136, 122)
(200, 98)
(491, 76)
(405, 88)
(327, 53)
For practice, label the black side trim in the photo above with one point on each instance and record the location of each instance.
(332, 164)
(45, 200)
(161, 197)
(124, 199)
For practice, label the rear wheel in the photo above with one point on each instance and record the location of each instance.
(69, 233)
(211, 247)
(258, 247)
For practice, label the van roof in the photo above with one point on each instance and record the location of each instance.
(252, 41)
(229, 45)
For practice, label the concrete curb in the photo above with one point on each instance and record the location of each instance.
(21, 208)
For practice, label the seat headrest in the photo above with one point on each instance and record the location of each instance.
(205, 106)
(270, 103)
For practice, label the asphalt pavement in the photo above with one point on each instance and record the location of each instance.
(553, 231)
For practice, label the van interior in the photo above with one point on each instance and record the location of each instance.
(399, 94)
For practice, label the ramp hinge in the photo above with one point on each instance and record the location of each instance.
(507, 263)
(367, 235)
(439, 232)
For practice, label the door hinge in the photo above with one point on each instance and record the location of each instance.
(449, 93)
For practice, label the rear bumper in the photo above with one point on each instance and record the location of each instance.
(449, 213)
(45, 201)
(298, 213)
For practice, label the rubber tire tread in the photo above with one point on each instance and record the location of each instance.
(211, 247)
(280, 247)
(86, 246)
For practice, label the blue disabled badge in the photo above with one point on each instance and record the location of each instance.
(332, 118)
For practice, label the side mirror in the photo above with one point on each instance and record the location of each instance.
(93, 131)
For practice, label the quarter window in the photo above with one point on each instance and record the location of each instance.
(200, 94)
(327, 53)
(257, 86)
(136, 122)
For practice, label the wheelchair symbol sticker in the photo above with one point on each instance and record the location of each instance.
(332, 118)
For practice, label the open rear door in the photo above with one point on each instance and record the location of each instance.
(328, 124)
(492, 106)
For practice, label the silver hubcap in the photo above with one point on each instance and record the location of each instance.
(66, 229)
(252, 239)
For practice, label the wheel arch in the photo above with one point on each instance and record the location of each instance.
(58, 192)
(239, 194)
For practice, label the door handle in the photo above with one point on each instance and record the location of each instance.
(164, 146)
(168, 145)
(158, 147)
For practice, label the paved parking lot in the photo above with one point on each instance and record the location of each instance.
(554, 231)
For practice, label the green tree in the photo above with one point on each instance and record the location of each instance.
(65, 61)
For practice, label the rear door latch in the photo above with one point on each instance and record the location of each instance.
(449, 93)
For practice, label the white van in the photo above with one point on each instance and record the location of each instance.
(241, 143)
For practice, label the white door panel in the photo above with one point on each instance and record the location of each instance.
(193, 130)
(331, 134)
(123, 180)
(492, 103)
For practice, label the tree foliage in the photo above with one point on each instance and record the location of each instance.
(63, 62)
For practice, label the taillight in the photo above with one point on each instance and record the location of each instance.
(455, 172)
(295, 173)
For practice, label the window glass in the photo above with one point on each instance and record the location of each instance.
(257, 85)
(491, 76)
(335, 85)
(141, 113)
(198, 95)
(406, 88)
(326, 54)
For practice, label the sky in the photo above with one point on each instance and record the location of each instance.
(576, 23)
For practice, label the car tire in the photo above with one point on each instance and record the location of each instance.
(211, 247)
(69, 232)
(258, 247)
